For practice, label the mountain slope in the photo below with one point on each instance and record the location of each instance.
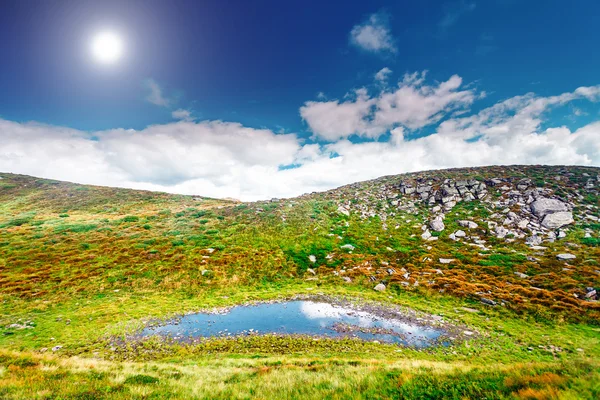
(510, 251)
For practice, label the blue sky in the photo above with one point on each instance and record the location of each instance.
(292, 70)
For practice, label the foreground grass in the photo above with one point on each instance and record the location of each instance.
(285, 377)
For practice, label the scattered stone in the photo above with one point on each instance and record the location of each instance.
(380, 287)
(447, 260)
(347, 247)
(566, 256)
(460, 234)
(534, 240)
(521, 275)
(343, 210)
(311, 271)
(56, 348)
(426, 235)
(468, 224)
(312, 259)
(437, 224)
(488, 301)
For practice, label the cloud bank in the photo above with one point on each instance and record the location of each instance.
(227, 159)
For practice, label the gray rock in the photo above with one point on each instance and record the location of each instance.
(347, 247)
(380, 287)
(448, 190)
(437, 225)
(521, 275)
(426, 235)
(460, 233)
(533, 240)
(343, 210)
(488, 301)
(468, 224)
(557, 219)
(566, 256)
(423, 189)
(312, 259)
(543, 206)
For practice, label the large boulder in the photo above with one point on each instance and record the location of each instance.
(557, 219)
(543, 206)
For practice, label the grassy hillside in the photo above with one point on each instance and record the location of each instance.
(81, 267)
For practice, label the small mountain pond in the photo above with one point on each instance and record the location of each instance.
(302, 317)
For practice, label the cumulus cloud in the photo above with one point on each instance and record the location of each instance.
(383, 74)
(182, 114)
(227, 159)
(374, 35)
(156, 94)
(411, 103)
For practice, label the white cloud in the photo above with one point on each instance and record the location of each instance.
(383, 74)
(373, 35)
(411, 104)
(156, 94)
(225, 159)
(182, 114)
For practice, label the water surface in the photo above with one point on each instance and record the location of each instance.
(299, 317)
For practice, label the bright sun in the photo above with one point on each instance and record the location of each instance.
(107, 47)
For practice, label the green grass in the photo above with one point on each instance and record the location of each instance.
(122, 257)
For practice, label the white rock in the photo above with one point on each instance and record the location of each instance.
(343, 210)
(557, 219)
(347, 247)
(543, 206)
(426, 235)
(460, 233)
(380, 287)
(468, 224)
(447, 260)
(565, 256)
(437, 225)
(312, 258)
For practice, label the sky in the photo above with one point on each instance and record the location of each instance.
(267, 99)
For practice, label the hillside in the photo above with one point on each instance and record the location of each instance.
(511, 253)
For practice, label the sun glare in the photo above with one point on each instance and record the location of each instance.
(107, 47)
